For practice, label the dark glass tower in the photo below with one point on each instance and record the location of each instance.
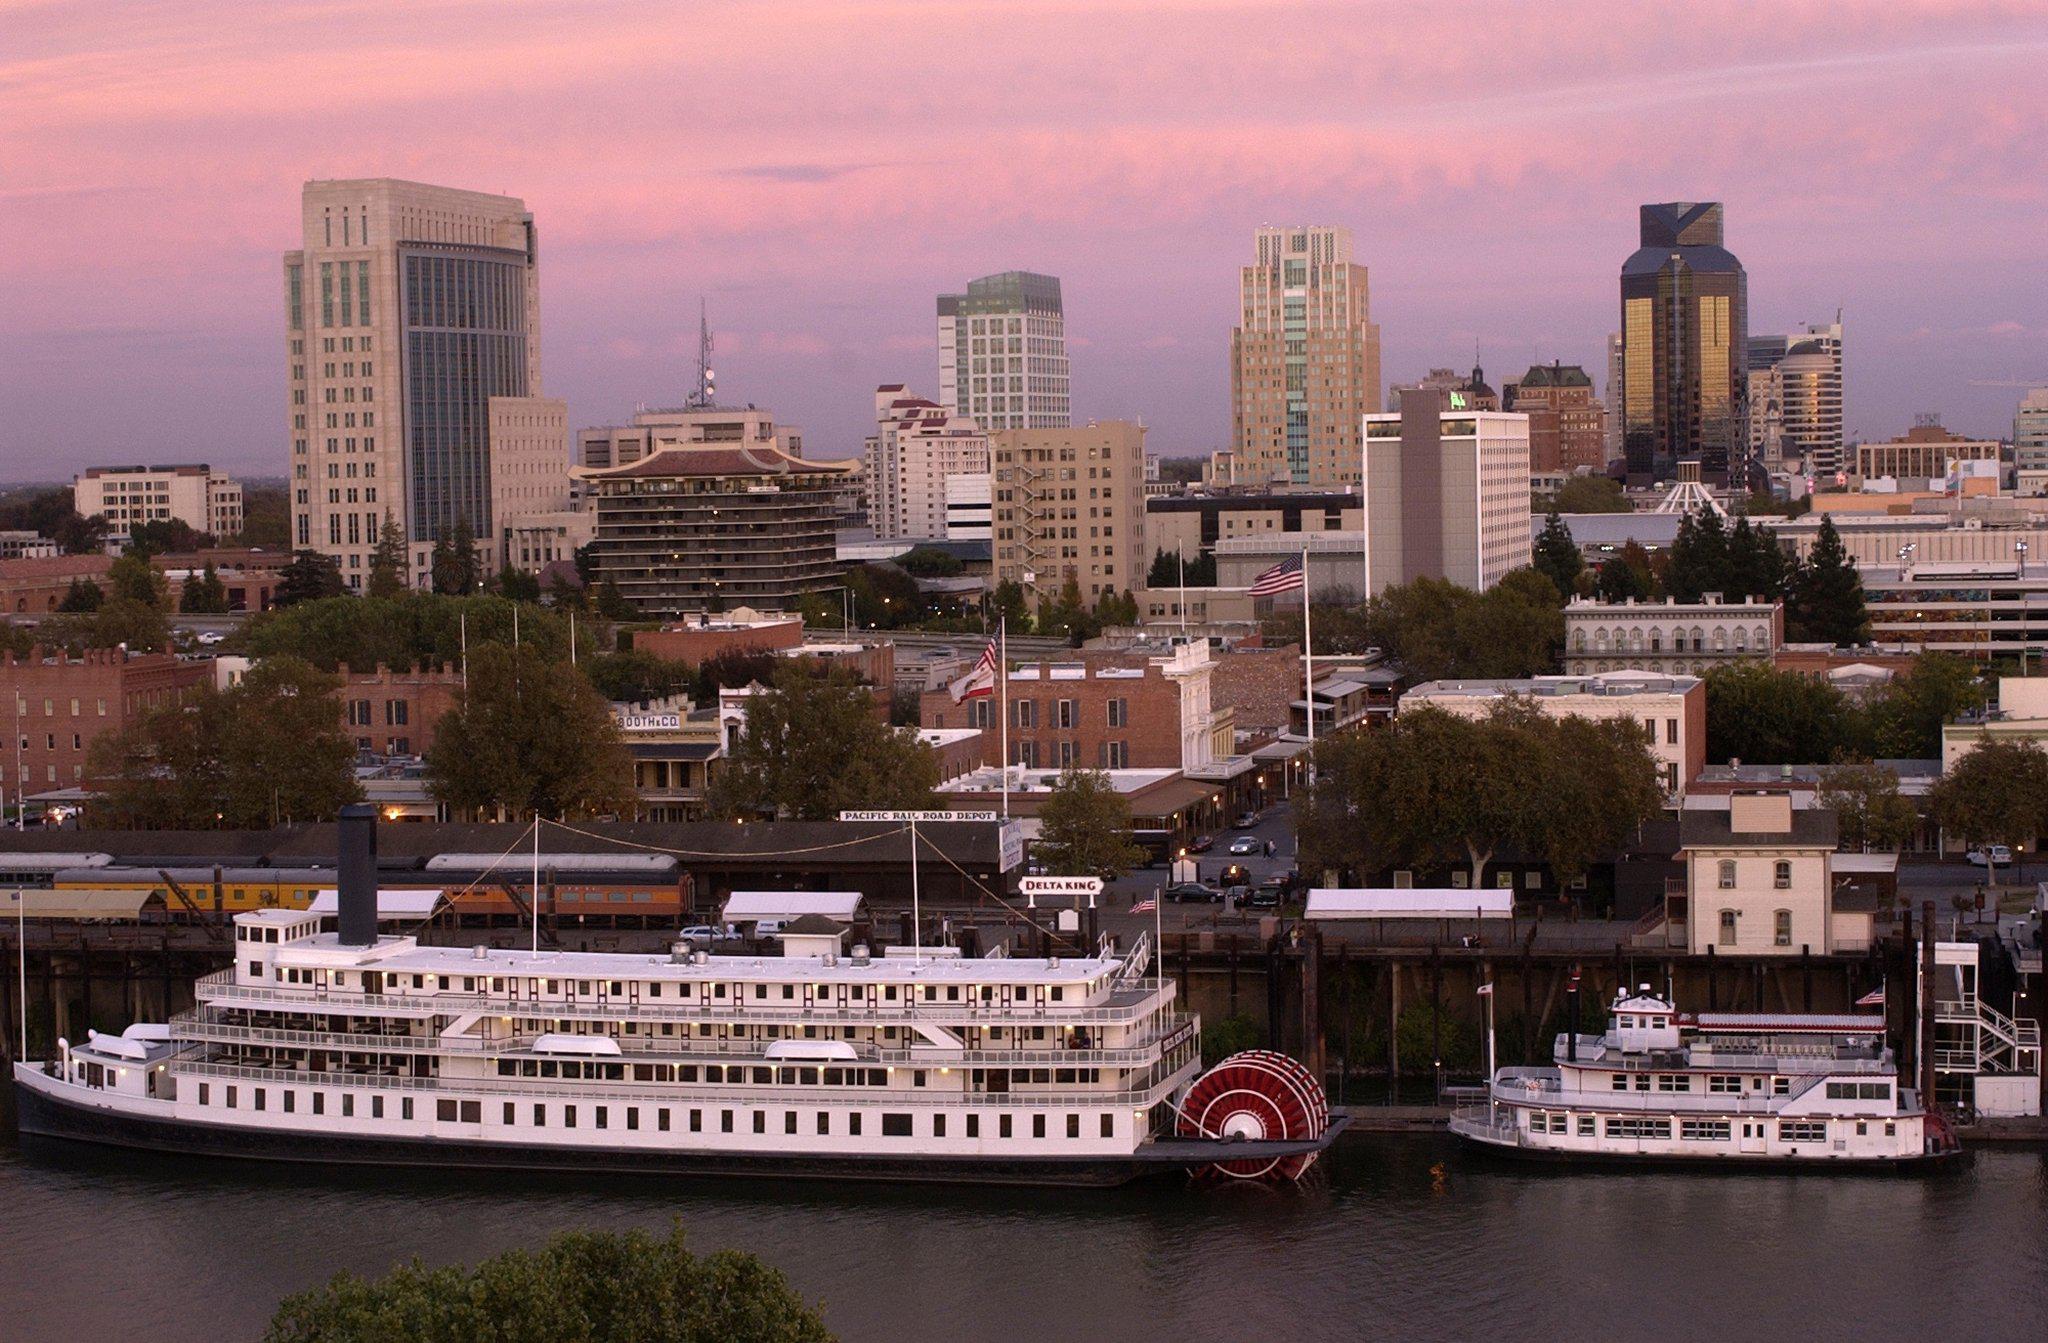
(1684, 359)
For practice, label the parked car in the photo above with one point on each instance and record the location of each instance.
(1996, 855)
(1245, 820)
(1246, 844)
(1265, 895)
(1201, 843)
(211, 637)
(703, 934)
(1193, 890)
(1234, 875)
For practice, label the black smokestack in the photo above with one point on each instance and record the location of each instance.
(357, 881)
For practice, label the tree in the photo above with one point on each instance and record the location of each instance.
(388, 567)
(269, 748)
(931, 562)
(444, 570)
(463, 543)
(636, 676)
(1699, 557)
(309, 577)
(1167, 570)
(203, 593)
(1557, 555)
(266, 517)
(1437, 629)
(1996, 793)
(1824, 595)
(1756, 566)
(134, 578)
(592, 1286)
(1007, 602)
(884, 596)
(165, 535)
(1865, 798)
(113, 623)
(82, 595)
(529, 735)
(418, 629)
(1621, 581)
(1433, 789)
(612, 604)
(1762, 716)
(1906, 717)
(1085, 827)
(813, 746)
(518, 585)
(1590, 494)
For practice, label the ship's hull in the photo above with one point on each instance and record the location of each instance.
(1557, 1159)
(42, 1114)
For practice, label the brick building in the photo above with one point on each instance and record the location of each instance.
(391, 712)
(61, 706)
(1257, 685)
(701, 638)
(1103, 711)
(35, 585)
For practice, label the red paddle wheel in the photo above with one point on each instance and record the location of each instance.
(1257, 1096)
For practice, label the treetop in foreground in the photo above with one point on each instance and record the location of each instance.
(581, 1287)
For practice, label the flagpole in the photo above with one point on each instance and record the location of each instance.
(1308, 655)
(1003, 680)
(1183, 590)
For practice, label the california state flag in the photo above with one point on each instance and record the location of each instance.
(981, 682)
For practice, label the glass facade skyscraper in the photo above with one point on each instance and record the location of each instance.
(465, 342)
(1684, 358)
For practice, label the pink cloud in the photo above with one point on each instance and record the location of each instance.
(1488, 156)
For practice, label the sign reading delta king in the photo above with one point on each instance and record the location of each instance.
(1060, 885)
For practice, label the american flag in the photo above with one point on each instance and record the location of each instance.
(1285, 576)
(1144, 907)
(981, 682)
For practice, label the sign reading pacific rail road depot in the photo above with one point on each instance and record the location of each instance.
(919, 816)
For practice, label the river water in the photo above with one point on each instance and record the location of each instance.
(1391, 1237)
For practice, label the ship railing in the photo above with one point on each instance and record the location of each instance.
(220, 987)
(1651, 1102)
(515, 1089)
(230, 1032)
(1485, 1122)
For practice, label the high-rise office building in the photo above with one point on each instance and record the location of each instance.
(917, 451)
(1070, 504)
(1567, 423)
(1795, 400)
(1304, 360)
(1447, 495)
(1003, 352)
(411, 326)
(1685, 339)
(2030, 435)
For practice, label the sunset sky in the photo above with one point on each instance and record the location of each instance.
(819, 169)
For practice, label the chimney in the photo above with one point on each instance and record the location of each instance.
(356, 859)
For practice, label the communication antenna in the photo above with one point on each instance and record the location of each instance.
(705, 395)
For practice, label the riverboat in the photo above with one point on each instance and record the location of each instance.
(1662, 1086)
(343, 1044)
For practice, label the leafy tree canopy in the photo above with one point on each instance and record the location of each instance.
(1557, 555)
(529, 734)
(931, 562)
(1995, 793)
(1824, 595)
(203, 593)
(814, 745)
(418, 629)
(310, 576)
(1762, 716)
(581, 1287)
(1865, 798)
(1590, 494)
(1085, 827)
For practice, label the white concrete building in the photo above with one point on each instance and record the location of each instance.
(1668, 636)
(1760, 881)
(969, 507)
(128, 496)
(650, 431)
(1446, 494)
(916, 448)
(410, 311)
(1671, 709)
(1003, 352)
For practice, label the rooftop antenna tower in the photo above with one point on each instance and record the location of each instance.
(705, 395)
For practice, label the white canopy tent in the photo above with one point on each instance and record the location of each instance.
(402, 906)
(753, 906)
(1448, 902)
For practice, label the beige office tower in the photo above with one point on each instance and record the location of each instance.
(1305, 361)
(1069, 503)
(412, 327)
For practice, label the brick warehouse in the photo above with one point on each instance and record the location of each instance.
(1103, 711)
(61, 706)
(395, 712)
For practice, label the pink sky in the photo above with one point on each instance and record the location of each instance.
(819, 169)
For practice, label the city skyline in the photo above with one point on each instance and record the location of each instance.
(1856, 187)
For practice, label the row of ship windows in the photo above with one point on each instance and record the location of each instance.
(618, 988)
(1690, 1130)
(1731, 1084)
(731, 1073)
(471, 1112)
